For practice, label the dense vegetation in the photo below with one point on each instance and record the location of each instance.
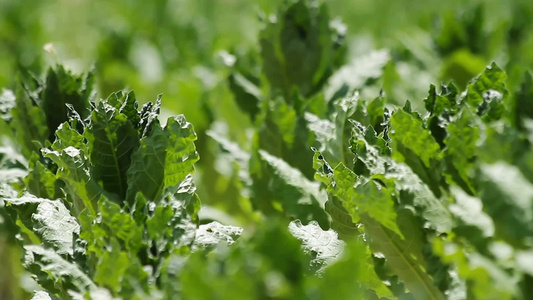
(308, 174)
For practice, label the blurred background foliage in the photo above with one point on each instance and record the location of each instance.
(189, 49)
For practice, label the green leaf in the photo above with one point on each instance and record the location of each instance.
(350, 276)
(41, 182)
(29, 122)
(73, 171)
(441, 107)
(61, 88)
(55, 273)
(359, 196)
(112, 268)
(210, 235)
(373, 163)
(507, 198)
(128, 106)
(67, 136)
(415, 146)
(112, 139)
(246, 94)
(336, 149)
(445, 101)
(409, 132)
(299, 48)
(486, 93)
(236, 153)
(461, 148)
(283, 132)
(164, 159)
(341, 221)
(287, 188)
(324, 130)
(376, 114)
(50, 220)
(402, 257)
(120, 224)
(324, 246)
(470, 220)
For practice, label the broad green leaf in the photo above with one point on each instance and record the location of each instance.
(409, 132)
(299, 48)
(112, 268)
(350, 276)
(461, 147)
(55, 273)
(164, 158)
(360, 196)
(287, 189)
(210, 235)
(341, 221)
(170, 227)
(66, 136)
(400, 256)
(181, 153)
(112, 139)
(247, 95)
(372, 162)
(41, 182)
(336, 150)
(324, 246)
(147, 171)
(486, 93)
(445, 101)
(127, 104)
(441, 108)
(470, 220)
(376, 114)
(84, 191)
(121, 225)
(461, 66)
(415, 146)
(237, 154)
(50, 220)
(507, 198)
(29, 122)
(186, 198)
(324, 130)
(283, 132)
(62, 87)
(10, 157)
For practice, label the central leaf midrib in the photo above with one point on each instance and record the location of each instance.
(416, 271)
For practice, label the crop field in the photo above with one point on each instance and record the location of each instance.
(296, 149)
